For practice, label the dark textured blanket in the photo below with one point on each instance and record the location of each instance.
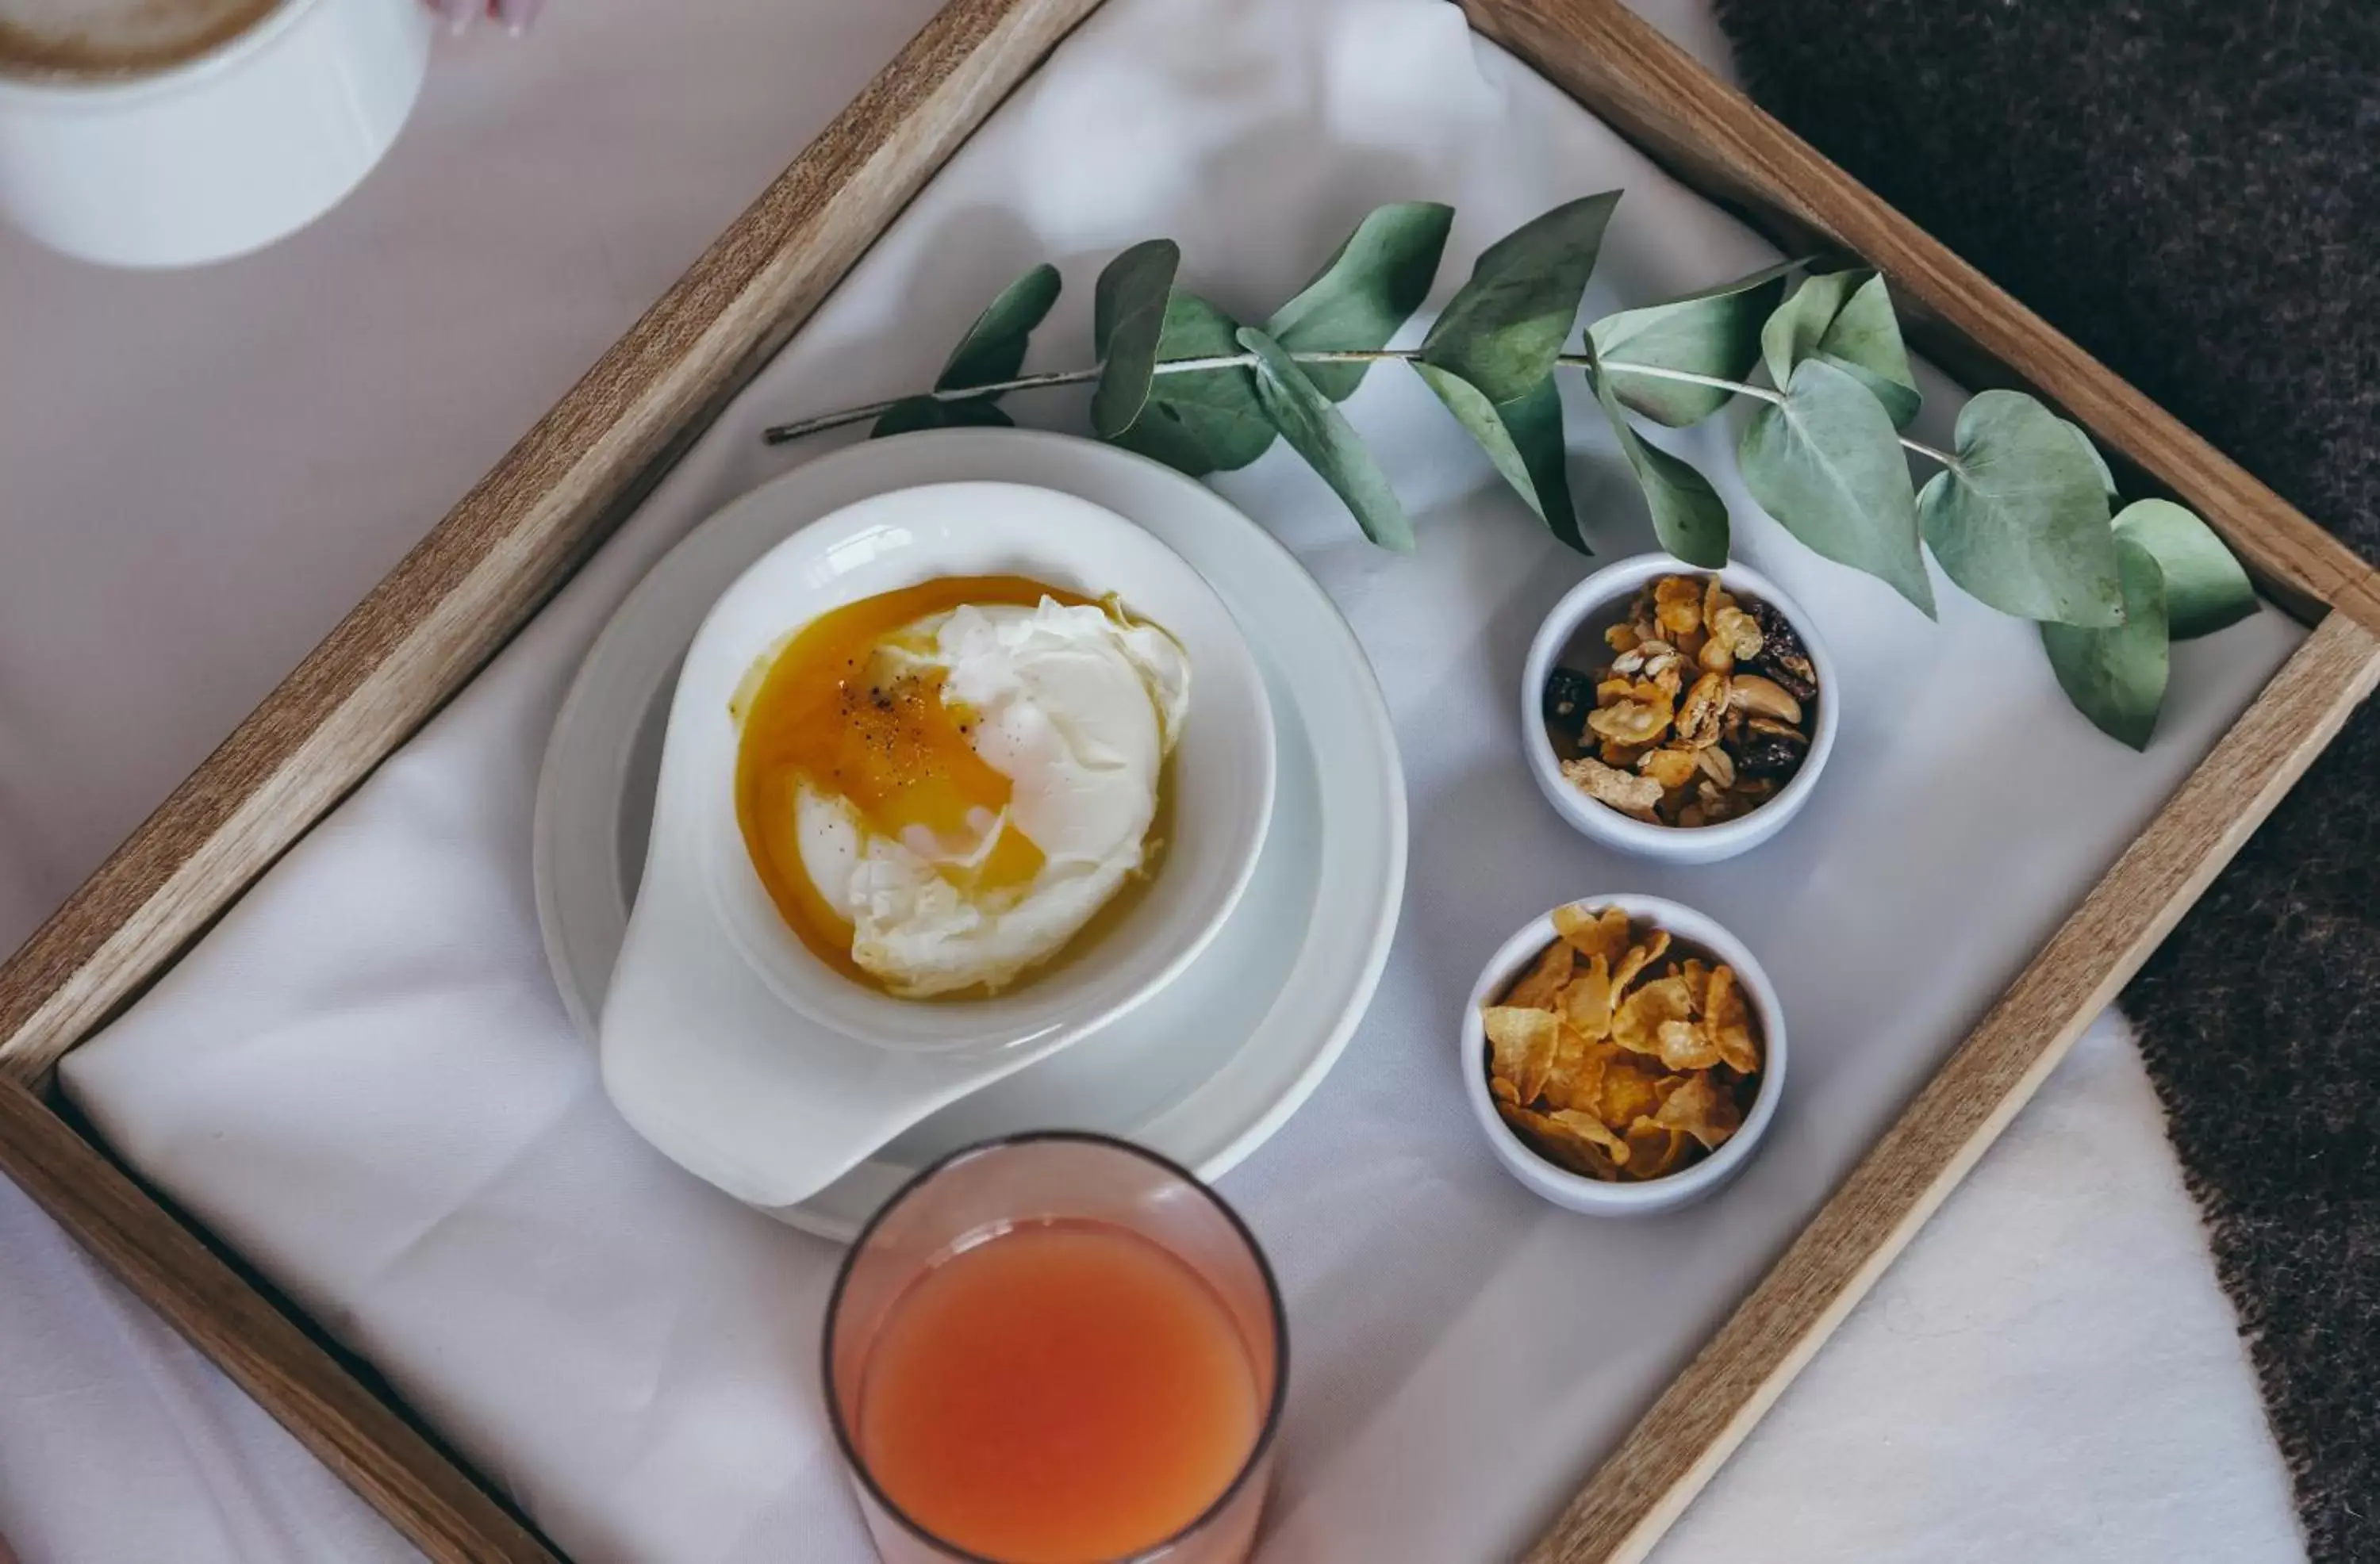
(2190, 190)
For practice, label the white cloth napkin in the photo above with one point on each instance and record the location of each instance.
(363, 1079)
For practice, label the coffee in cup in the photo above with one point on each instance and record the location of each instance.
(117, 38)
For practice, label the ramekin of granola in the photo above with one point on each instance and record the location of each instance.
(1677, 713)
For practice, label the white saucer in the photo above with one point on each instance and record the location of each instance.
(1210, 1068)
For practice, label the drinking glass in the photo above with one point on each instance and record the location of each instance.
(977, 1194)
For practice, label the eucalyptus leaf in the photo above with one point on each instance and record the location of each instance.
(2116, 676)
(1716, 331)
(1320, 432)
(1847, 319)
(1533, 421)
(1128, 309)
(1864, 336)
(1523, 440)
(2205, 588)
(1370, 287)
(1503, 329)
(1791, 331)
(927, 412)
(1901, 402)
(994, 349)
(2098, 462)
(2021, 519)
(1199, 421)
(1826, 465)
(1689, 518)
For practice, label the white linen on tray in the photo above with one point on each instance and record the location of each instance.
(363, 1079)
(167, 1462)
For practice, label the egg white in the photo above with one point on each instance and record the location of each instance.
(1078, 707)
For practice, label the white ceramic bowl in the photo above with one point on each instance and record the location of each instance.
(1576, 1192)
(1579, 620)
(1221, 770)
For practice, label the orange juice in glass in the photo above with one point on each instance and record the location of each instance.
(1057, 1348)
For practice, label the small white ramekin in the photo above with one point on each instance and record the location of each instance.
(1576, 1192)
(1596, 599)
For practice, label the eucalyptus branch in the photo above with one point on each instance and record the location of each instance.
(2023, 515)
(779, 434)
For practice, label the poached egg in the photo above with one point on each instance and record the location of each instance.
(942, 787)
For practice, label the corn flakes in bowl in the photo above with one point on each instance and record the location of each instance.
(1623, 1055)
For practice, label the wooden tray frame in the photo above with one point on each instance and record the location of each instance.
(478, 576)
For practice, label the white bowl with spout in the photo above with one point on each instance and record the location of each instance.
(759, 1067)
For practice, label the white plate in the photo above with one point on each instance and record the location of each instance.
(1209, 1068)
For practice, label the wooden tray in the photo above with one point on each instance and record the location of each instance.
(458, 597)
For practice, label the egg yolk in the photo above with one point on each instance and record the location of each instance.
(833, 711)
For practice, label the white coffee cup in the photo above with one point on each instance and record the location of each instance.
(215, 154)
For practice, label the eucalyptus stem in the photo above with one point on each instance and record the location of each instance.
(1944, 458)
(1740, 389)
(1589, 362)
(778, 434)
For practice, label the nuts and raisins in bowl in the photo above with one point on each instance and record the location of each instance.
(1623, 1055)
(1676, 713)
